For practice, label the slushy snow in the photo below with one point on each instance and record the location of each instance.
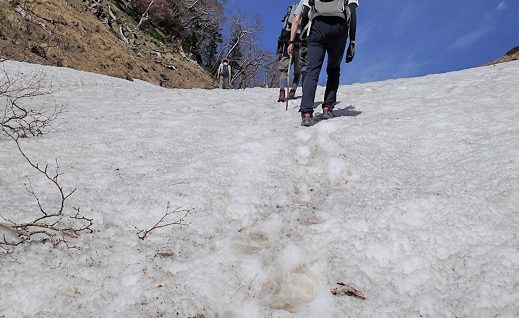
(411, 195)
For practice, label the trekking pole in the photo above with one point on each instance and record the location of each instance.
(288, 82)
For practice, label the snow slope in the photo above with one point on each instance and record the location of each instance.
(411, 195)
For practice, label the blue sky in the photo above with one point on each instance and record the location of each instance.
(411, 38)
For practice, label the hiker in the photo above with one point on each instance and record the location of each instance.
(284, 58)
(303, 49)
(224, 74)
(330, 24)
(302, 36)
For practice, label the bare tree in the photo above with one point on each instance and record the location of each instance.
(241, 34)
(245, 54)
(145, 15)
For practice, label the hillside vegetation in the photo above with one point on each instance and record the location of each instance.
(98, 36)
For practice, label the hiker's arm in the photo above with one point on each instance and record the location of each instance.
(353, 21)
(293, 33)
(350, 53)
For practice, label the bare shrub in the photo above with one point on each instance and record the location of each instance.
(161, 13)
(55, 225)
(19, 120)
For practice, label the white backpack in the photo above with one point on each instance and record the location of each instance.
(328, 8)
(289, 17)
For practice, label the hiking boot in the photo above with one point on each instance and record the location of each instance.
(306, 119)
(281, 95)
(327, 112)
(292, 94)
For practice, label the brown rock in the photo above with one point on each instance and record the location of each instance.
(38, 50)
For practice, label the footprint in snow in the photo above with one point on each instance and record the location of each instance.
(260, 236)
(338, 173)
(292, 281)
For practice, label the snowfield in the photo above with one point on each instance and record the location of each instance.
(410, 195)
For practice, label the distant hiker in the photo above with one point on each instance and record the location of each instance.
(284, 58)
(330, 22)
(224, 74)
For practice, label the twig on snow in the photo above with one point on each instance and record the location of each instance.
(345, 289)
(142, 234)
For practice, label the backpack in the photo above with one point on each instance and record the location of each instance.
(225, 70)
(329, 8)
(289, 17)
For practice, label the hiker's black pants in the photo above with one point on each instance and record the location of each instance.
(328, 35)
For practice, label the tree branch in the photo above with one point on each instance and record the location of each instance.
(142, 234)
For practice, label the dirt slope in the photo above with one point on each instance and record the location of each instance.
(69, 34)
(511, 55)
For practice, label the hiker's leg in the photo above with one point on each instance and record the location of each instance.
(302, 54)
(315, 58)
(297, 70)
(283, 68)
(335, 45)
(282, 81)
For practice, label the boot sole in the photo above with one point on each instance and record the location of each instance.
(327, 115)
(305, 124)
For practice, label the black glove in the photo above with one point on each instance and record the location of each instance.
(351, 52)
